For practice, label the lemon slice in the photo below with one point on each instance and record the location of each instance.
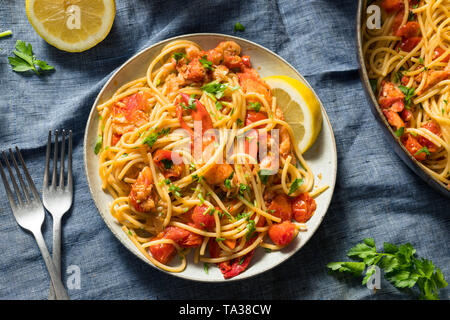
(300, 107)
(71, 25)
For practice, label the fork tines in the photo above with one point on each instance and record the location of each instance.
(54, 178)
(28, 192)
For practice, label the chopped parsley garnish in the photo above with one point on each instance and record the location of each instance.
(254, 106)
(373, 84)
(264, 175)
(238, 27)
(219, 105)
(167, 163)
(192, 102)
(24, 59)
(206, 63)
(228, 180)
(154, 136)
(409, 93)
(196, 177)
(192, 166)
(295, 185)
(421, 60)
(243, 188)
(239, 122)
(176, 190)
(220, 239)
(423, 150)
(215, 88)
(202, 200)
(267, 250)
(206, 267)
(242, 260)
(98, 144)
(400, 131)
(179, 55)
(251, 228)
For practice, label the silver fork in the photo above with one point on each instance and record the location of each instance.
(57, 198)
(29, 213)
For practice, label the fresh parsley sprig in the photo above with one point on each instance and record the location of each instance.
(401, 267)
(24, 59)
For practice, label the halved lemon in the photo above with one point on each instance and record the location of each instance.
(300, 107)
(71, 25)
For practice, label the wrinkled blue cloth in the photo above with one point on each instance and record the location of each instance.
(376, 194)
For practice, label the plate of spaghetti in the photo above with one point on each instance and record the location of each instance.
(405, 68)
(194, 167)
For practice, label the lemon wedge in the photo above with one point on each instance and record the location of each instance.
(71, 25)
(300, 107)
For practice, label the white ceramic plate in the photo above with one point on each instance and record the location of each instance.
(321, 157)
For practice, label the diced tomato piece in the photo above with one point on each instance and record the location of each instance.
(282, 233)
(405, 80)
(303, 207)
(410, 43)
(115, 138)
(183, 237)
(439, 52)
(246, 61)
(434, 128)
(408, 30)
(398, 19)
(203, 217)
(253, 116)
(413, 146)
(392, 5)
(170, 163)
(238, 266)
(162, 252)
(281, 207)
(406, 115)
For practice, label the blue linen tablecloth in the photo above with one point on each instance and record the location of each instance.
(376, 195)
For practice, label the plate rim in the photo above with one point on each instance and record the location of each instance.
(180, 275)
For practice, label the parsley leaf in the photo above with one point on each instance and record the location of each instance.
(154, 136)
(408, 92)
(254, 106)
(424, 149)
(24, 59)
(228, 180)
(400, 131)
(251, 228)
(295, 185)
(98, 144)
(238, 27)
(179, 55)
(206, 63)
(215, 88)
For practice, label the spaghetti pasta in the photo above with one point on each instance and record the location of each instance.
(177, 186)
(407, 60)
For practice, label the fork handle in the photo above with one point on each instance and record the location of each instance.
(56, 252)
(60, 291)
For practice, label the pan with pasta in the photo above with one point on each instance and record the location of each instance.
(407, 62)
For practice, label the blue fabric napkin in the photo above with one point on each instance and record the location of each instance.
(376, 194)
